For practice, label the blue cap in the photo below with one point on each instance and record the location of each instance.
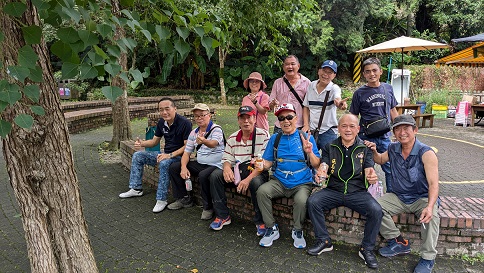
(331, 64)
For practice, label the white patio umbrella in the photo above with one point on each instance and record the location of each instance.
(403, 44)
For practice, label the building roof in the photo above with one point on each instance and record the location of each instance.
(471, 56)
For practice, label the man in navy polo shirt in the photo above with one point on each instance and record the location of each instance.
(175, 129)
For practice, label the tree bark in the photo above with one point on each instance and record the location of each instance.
(221, 59)
(40, 166)
(121, 121)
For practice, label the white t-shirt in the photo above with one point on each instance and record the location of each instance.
(314, 101)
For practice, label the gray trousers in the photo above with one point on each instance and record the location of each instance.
(392, 205)
(274, 189)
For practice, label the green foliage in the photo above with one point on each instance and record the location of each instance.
(478, 257)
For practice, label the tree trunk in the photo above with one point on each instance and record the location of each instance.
(121, 121)
(40, 166)
(221, 59)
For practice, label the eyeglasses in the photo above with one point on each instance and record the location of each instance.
(199, 116)
(288, 117)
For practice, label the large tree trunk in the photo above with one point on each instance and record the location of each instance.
(221, 59)
(121, 121)
(40, 166)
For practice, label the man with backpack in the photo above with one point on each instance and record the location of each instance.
(207, 140)
(291, 154)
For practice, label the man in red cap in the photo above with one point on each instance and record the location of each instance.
(248, 138)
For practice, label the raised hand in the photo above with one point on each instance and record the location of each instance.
(307, 145)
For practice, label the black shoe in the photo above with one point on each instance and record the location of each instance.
(369, 257)
(320, 247)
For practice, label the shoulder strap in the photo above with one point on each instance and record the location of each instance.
(254, 135)
(301, 136)
(323, 110)
(274, 151)
(293, 91)
(385, 101)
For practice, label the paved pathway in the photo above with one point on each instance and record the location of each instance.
(127, 237)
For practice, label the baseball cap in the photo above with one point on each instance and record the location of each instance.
(201, 106)
(284, 107)
(246, 110)
(331, 64)
(403, 119)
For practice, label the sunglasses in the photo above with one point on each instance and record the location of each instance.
(288, 117)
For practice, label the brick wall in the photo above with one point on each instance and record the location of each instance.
(461, 225)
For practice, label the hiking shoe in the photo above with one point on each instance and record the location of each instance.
(219, 223)
(298, 237)
(131, 193)
(320, 247)
(369, 257)
(271, 234)
(160, 206)
(394, 248)
(207, 214)
(424, 266)
(261, 229)
(184, 202)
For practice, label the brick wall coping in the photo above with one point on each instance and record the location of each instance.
(461, 219)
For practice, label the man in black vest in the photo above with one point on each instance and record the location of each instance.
(350, 170)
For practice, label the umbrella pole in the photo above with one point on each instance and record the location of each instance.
(401, 83)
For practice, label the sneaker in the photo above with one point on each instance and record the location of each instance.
(424, 266)
(395, 248)
(207, 214)
(131, 193)
(369, 257)
(184, 202)
(261, 229)
(271, 234)
(320, 247)
(298, 237)
(219, 223)
(160, 206)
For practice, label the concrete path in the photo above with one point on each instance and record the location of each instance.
(127, 237)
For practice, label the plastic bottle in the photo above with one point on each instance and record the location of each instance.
(380, 189)
(259, 162)
(322, 179)
(188, 184)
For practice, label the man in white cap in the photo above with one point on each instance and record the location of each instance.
(291, 154)
(207, 140)
(175, 129)
(414, 189)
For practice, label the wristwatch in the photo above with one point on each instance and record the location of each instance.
(171, 155)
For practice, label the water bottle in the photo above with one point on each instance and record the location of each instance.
(322, 179)
(380, 189)
(188, 184)
(259, 163)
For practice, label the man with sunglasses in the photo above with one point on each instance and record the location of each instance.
(291, 160)
(207, 140)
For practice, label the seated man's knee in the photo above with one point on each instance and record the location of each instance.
(256, 182)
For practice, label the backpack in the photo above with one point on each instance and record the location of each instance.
(276, 145)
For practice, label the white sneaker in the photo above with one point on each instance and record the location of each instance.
(160, 205)
(131, 193)
(298, 237)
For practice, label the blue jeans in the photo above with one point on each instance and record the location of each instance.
(361, 202)
(382, 146)
(325, 138)
(141, 158)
